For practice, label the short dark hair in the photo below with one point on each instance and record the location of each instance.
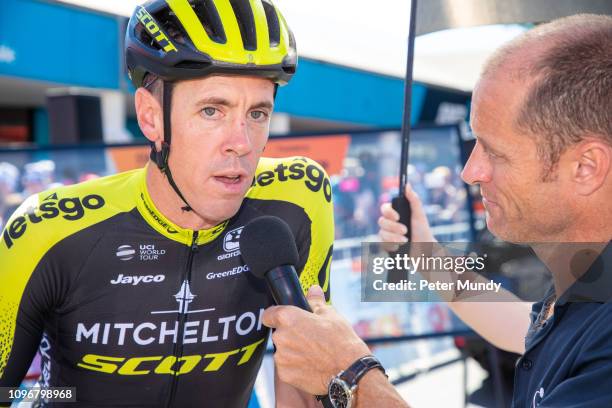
(570, 91)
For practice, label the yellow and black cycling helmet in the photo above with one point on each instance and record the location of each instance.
(187, 39)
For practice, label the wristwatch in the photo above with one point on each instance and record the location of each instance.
(342, 388)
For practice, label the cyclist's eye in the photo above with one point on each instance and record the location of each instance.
(258, 115)
(209, 111)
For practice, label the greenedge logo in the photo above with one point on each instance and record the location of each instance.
(298, 170)
(70, 209)
(156, 217)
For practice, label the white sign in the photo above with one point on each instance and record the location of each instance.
(7, 54)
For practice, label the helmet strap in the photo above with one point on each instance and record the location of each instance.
(160, 158)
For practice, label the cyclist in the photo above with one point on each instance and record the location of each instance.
(132, 286)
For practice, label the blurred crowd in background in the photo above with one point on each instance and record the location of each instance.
(18, 184)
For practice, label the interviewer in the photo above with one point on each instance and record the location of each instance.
(542, 115)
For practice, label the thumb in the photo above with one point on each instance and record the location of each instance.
(415, 202)
(316, 298)
(270, 317)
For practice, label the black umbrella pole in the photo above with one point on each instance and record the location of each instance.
(400, 203)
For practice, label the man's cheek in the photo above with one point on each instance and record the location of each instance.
(260, 141)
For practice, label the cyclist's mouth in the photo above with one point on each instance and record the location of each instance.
(231, 183)
(229, 179)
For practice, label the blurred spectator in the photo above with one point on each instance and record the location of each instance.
(445, 198)
(9, 198)
(416, 178)
(88, 176)
(344, 204)
(38, 176)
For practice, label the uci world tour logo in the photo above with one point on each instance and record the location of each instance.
(146, 252)
(126, 252)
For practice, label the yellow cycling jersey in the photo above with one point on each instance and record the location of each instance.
(133, 310)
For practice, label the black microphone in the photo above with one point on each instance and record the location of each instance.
(268, 248)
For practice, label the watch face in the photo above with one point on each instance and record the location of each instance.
(340, 394)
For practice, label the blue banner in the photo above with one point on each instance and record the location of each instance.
(58, 43)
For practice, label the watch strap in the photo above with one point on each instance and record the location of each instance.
(353, 374)
(359, 368)
(325, 401)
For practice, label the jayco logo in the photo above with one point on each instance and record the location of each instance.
(71, 209)
(298, 170)
(135, 280)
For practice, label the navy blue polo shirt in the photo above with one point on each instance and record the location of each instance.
(568, 359)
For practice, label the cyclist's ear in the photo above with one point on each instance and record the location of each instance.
(149, 115)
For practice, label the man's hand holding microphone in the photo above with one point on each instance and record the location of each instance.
(317, 351)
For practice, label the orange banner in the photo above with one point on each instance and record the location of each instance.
(328, 151)
(129, 158)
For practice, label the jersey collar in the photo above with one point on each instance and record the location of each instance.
(167, 228)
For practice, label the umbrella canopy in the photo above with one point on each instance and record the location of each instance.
(435, 15)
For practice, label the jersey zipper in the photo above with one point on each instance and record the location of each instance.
(178, 345)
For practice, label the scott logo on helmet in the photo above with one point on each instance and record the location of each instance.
(145, 18)
(71, 209)
(297, 170)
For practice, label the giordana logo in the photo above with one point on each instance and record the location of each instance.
(231, 244)
(135, 280)
(299, 169)
(146, 252)
(70, 209)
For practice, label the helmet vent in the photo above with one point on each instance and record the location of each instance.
(145, 38)
(289, 69)
(171, 25)
(209, 18)
(273, 24)
(246, 22)
(195, 65)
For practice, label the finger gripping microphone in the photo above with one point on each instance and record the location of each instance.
(268, 248)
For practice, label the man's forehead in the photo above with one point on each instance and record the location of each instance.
(232, 80)
(229, 87)
(498, 97)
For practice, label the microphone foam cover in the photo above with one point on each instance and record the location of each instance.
(266, 243)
